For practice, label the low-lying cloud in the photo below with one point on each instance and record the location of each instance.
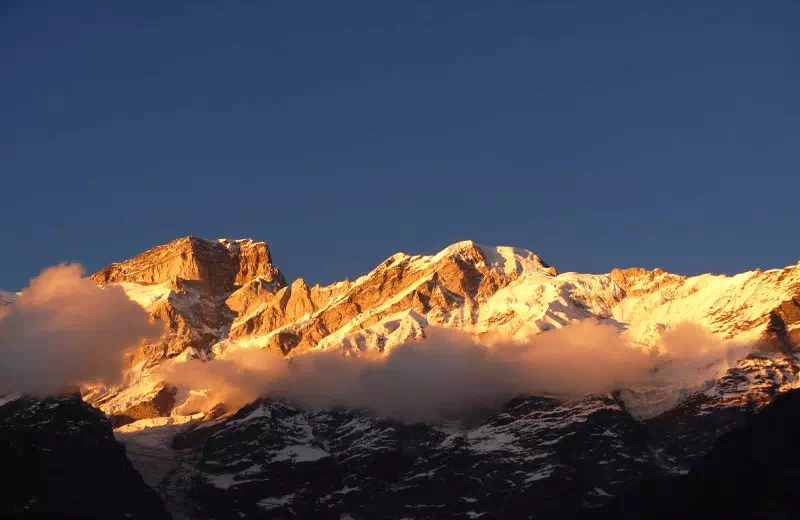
(63, 330)
(693, 355)
(450, 373)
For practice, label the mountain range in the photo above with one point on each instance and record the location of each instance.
(547, 455)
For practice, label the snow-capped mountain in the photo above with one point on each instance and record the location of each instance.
(274, 458)
(216, 294)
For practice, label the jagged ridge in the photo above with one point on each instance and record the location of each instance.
(215, 294)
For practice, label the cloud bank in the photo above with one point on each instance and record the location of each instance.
(449, 373)
(64, 330)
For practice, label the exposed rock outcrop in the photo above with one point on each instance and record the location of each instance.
(188, 284)
(636, 281)
(62, 461)
(749, 473)
(460, 277)
(218, 266)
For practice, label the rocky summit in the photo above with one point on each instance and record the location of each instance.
(538, 456)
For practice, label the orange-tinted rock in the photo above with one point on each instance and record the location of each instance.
(219, 266)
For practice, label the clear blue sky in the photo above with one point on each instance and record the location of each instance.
(597, 134)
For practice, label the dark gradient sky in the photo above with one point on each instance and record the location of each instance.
(597, 134)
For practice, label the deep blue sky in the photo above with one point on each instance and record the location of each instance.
(597, 134)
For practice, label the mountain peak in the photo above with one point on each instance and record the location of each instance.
(508, 260)
(219, 265)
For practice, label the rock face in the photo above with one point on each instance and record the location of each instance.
(538, 458)
(447, 289)
(217, 266)
(62, 461)
(749, 473)
(690, 429)
(185, 284)
(495, 290)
